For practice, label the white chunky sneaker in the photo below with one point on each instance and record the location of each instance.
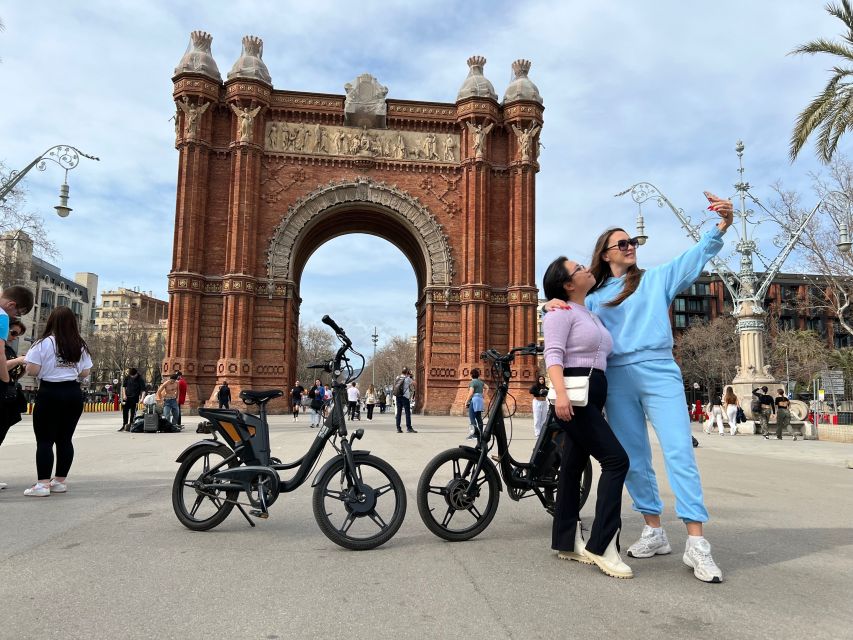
(576, 555)
(57, 487)
(610, 562)
(38, 490)
(697, 556)
(652, 542)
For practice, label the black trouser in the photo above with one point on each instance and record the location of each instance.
(296, 404)
(588, 434)
(58, 408)
(128, 409)
(403, 403)
(352, 409)
(223, 404)
(370, 412)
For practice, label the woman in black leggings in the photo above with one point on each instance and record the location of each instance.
(577, 344)
(59, 359)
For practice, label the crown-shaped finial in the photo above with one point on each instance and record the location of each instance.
(520, 67)
(249, 65)
(476, 84)
(198, 58)
(521, 87)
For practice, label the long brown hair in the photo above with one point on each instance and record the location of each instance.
(62, 325)
(601, 269)
(730, 398)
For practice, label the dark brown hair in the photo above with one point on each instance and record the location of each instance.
(601, 269)
(21, 296)
(62, 325)
(731, 398)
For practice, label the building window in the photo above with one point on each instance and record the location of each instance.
(63, 301)
(48, 298)
(680, 320)
(679, 304)
(77, 308)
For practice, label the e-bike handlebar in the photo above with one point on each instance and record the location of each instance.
(334, 326)
(495, 355)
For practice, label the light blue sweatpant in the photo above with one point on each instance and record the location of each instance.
(655, 389)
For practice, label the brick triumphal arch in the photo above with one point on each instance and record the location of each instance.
(266, 176)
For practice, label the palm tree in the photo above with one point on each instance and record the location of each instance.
(832, 110)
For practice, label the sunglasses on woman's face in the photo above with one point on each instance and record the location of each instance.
(580, 267)
(14, 334)
(623, 244)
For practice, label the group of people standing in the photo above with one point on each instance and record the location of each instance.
(60, 360)
(609, 324)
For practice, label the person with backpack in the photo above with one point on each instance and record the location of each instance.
(403, 391)
(316, 395)
(131, 389)
(60, 360)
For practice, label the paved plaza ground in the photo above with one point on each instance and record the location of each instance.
(110, 560)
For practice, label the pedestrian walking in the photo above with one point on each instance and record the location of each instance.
(403, 391)
(389, 395)
(223, 395)
(645, 382)
(296, 399)
(381, 399)
(168, 395)
(370, 401)
(353, 395)
(60, 360)
(783, 413)
(764, 406)
(577, 344)
(715, 414)
(316, 395)
(12, 400)
(131, 390)
(475, 403)
(730, 406)
(539, 391)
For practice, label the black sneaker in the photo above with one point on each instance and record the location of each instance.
(399, 431)
(410, 431)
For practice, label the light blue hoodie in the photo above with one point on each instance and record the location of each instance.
(640, 325)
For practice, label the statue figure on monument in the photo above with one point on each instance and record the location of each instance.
(430, 147)
(273, 136)
(449, 146)
(245, 121)
(479, 133)
(525, 137)
(192, 115)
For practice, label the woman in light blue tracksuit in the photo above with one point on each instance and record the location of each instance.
(645, 382)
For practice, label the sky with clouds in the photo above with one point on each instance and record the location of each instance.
(657, 91)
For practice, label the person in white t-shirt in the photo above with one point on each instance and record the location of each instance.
(353, 396)
(60, 360)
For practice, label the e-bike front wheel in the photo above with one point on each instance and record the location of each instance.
(446, 506)
(198, 504)
(360, 520)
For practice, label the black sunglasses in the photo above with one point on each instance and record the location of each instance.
(624, 244)
(14, 334)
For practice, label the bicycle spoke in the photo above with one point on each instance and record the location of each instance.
(206, 467)
(482, 481)
(474, 512)
(442, 491)
(197, 504)
(189, 483)
(377, 519)
(448, 516)
(385, 488)
(456, 471)
(347, 523)
(337, 495)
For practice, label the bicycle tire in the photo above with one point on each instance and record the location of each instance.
(423, 492)
(186, 516)
(340, 537)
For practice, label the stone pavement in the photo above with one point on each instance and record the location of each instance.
(110, 560)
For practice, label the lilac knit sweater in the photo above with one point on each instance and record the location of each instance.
(572, 336)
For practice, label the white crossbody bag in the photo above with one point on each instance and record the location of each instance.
(577, 387)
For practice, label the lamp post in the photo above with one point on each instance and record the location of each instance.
(66, 157)
(375, 338)
(746, 291)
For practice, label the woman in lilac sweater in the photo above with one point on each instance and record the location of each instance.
(577, 344)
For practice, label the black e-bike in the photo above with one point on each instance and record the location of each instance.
(459, 488)
(359, 500)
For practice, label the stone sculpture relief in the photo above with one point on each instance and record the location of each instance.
(192, 116)
(479, 133)
(525, 138)
(318, 139)
(245, 121)
(365, 102)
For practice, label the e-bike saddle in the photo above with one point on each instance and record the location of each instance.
(259, 397)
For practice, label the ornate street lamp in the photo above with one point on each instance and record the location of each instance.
(66, 157)
(746, 291)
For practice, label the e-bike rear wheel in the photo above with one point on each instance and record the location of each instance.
(550, 493)
(360, 520)
(444, 502)
(197, 503)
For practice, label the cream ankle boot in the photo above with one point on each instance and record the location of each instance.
(578, 553)
(610, 561)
